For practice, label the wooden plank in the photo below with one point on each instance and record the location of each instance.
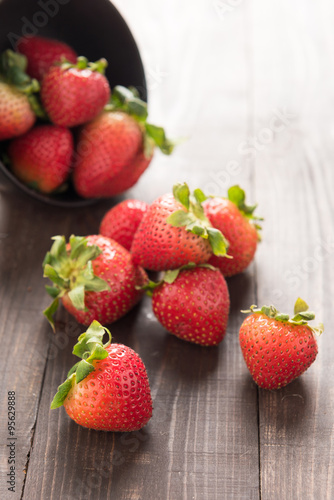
(24, 340)
(293, 180)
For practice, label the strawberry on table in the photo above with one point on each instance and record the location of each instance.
(240, 227)
(108, 389)
(73, 94)
(192, 303)
(116, 147)
(174, 231)
(94, 277)
(121, 222)
(278, 349)
(42, 157)
(42, 53)
(18, 101)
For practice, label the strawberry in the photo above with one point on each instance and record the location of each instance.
(121, 222)
(105, 146)
(94, 277)
(239, 226)
(174, 231)
(108, 390)
(116, 147)
(42, 157)
(192, 303)
(18, 102)
(278, 349)
(42, 53)
(73, 94)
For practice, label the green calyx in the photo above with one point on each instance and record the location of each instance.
(128, 100)
(13, 68)
(70, 269)
(301, 315)
(171, 275)
(238, 197)
(83, 63)
(89, 348)
(193, 219)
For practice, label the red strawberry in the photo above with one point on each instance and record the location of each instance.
(42, 53)
(174, 232)
(75, 94)
(239, 226)
(42, 157)
(278, 349)
(17, 98)
(106, 145)
(127, 177)
(94, 277)
(193, 304)
(117, 147)
(121, 222)
(108, 389)
(16, 115)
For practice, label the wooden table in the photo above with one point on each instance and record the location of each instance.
(250, 85)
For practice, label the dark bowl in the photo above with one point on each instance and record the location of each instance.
(95, 29)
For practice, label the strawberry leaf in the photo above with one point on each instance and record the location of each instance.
(70, 269)
(218, 242)
(238, 197)
(52, 291)
(128, 101)
(77, 297)
(181, 194)
(199, 195)
(83, 370)
(300, 306)
(301, 317)
(179, 218)
(51, 273)
(170, 276)
(50, 311)
(158, 135)
(62, 392)
(193, 218)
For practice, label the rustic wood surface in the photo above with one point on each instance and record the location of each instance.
(250, 86)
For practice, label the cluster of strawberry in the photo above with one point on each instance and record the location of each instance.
(194, 241)
(65, 124)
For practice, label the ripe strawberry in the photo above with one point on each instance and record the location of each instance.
(42, 157)
(108, 390)
(42, 53)
(174, 231)
(94, 277)
(121, 222)
(116, 147)
(75, 94)
(278, 349)
(17, 101)
(239, 226)
(193, 304)
(106, 145)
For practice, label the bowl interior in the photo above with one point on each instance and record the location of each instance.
(95, 29)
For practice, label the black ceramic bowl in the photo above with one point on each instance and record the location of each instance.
(95, 29)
